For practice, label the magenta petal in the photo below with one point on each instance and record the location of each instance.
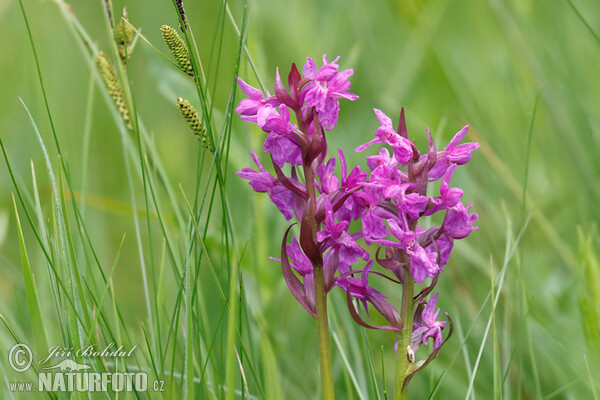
(283, 199)
(373, 226)
(348, 96)
(310, 68)
(461, 154)
(383, 119)
(248, 106)
(326, 73)
(458, 137)
(249, 90)
(366, 145)
(428, 314)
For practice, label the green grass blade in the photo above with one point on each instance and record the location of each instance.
(590, 378)
(340, 348)
(35, 313)
(497, 369)
(584, 21)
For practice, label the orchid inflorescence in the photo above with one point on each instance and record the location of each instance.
(389, 204)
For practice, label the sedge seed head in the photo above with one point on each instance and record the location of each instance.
(178, 49)
(193, 120)
(113, 86)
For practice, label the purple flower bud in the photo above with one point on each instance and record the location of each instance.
(294, 78)
(282, 95)
(310, 68)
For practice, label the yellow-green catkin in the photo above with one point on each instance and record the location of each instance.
(193, 120)
(124, 37)
(113, 86)
(178, 49)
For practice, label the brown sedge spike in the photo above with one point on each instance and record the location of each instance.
(182, 14)
(193, 120)
(178, 49)
(108, 7)
(124, 37)
(113, 86)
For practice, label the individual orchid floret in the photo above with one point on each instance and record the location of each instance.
(460, 154)
(335, 235)
(353, 208)
(263, 182)
(326, 85)
(280, 142)
(426, 325)
(448, 197)
(443, 247)
(454, 153)
(249, 107)
(383, 163)
(359, 289)
(397, 189)
(374, 217)
(271, 120)
(303, 266)
(458, 223)
(328, 181)
(412, 204)
(403, 148)
(422, 263)
(282, 150)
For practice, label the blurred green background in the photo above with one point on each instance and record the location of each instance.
(523, 74)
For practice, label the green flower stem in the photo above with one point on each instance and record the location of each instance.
(404, 365)
(323, 332)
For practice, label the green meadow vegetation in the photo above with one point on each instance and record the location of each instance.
(144, 236)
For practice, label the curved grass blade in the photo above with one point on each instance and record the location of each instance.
(33, 302)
